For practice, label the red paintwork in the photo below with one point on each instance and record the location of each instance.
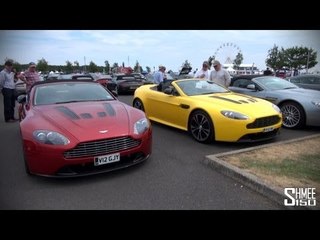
(44, 159)
(86, 129)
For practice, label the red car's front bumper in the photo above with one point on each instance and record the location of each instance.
(48, 160)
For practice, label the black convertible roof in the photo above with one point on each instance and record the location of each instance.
(61, 81)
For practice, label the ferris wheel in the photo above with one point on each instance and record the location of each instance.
(226, 53)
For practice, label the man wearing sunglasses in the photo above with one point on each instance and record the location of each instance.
(220, 75)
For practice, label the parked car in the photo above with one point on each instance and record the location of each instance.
(103, 80)
(52, 76)
(127, 83)
(209, 111)
(299, 106)
(282, 73)
(140, 77)
(182, 74)
(309, 81)
(106, 81)
(75, 127)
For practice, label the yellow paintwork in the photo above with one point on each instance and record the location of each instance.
(166, 109)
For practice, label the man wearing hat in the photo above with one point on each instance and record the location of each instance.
(220, 75)
(31, 76)
(203, 72)
(7, 85)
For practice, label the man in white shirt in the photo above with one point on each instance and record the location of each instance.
(203, 72)
(220, 75)
(7, 86)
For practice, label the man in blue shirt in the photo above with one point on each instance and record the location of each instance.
(159, 77)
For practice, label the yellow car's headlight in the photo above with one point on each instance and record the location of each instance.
(275, 107)
(234, 115)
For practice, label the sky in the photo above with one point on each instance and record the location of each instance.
(149, 47)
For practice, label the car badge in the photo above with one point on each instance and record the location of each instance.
(103, 131)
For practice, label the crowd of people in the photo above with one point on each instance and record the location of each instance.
(8, 78)
(218, 75)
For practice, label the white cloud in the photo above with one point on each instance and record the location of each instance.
(148, 47)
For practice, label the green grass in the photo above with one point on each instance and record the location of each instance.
(306, 167)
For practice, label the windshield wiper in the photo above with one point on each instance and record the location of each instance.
(290, 87)
(207, 93)
(99, 100)
(213, 92)
(93, 100)
(71, 101)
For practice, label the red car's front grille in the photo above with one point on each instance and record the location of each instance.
(101, 147)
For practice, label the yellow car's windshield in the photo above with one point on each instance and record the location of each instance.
(193, 87)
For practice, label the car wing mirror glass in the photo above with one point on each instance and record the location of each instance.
(114, 93)
(251, 87)
(22, 98)
(168, 90)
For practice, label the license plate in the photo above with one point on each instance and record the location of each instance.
(269, 129)
(107, 159)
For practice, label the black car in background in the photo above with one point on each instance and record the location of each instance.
(106, 81)
(128, 83)
(310, 81)
(245, 80)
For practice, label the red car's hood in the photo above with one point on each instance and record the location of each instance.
(88, 120)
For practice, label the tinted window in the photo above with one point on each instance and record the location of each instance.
(274, 83)
(295, 80)
(316, 80)
(241, 83)
(82, 78)
(311, 80)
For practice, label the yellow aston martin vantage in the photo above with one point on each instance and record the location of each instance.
(208, 111)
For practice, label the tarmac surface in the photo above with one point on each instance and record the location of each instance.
(173, 178)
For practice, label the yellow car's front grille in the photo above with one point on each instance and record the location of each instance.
(264, 122)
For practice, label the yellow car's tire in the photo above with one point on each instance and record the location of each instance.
(201, 127)
(137, 103)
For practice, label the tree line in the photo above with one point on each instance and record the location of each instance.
(73, 67)
(297, 58)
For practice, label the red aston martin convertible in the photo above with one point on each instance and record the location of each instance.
(72, 128)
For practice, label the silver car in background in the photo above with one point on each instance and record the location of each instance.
(299, 106)
(309, 81)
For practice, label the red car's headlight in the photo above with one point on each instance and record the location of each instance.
(141, 126)
(50, 137)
